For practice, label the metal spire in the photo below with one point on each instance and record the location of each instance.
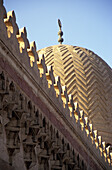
(60, 33)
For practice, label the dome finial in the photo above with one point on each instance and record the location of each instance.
(60, 33)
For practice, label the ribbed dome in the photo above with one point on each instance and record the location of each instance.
(88, 78)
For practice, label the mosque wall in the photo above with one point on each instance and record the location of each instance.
(40, 126)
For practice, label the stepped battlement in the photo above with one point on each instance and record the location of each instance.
(39, 120)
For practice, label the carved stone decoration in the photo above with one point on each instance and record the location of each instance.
(88, 78)
(42, 145)
(41, 126)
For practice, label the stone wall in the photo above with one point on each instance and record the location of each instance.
(40, 125)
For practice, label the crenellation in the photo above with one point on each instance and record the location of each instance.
(104, 150)
(108, 155)
(3, 15)
(11, 25)
(96, 140)
(70, 105)
(64, 95)
(22, 40)
(76, 112)
(49, 76)
(76, 106)
(100, 144)
(91, 131)
(57, 86)
(43, 63)
(29, 130)
(40, 64)
(111, 158)
(87, 127)
(82, 120)
(12, 31)
(32, 53)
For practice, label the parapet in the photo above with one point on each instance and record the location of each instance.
(19, 56)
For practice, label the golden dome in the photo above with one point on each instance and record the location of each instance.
(88, 78)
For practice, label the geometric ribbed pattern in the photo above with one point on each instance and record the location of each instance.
(88, 78)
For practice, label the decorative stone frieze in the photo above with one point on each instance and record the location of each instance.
(40, 125)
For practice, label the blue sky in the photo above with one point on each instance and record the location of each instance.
(85, 23)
